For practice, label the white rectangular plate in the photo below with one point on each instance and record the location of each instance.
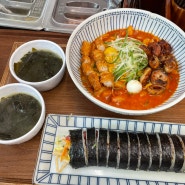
(59, 125)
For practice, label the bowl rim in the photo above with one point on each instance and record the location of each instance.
(32, 42)
(100, 103)
(39, 123)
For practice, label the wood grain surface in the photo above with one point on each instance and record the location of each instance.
(17, 162)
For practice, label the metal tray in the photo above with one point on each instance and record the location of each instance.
(65, 15)
(27, 14)
(50, 15)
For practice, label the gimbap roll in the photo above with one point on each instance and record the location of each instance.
(179, 154)
(134, 151)
(123, 139)
(76, 152)
(155, 152)
(113, 149)
(182, 139)
(144, 151)
(123, 150)
(166, 152)
(102, 147)
(91, 146)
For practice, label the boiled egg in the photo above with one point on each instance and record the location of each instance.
(134, 86)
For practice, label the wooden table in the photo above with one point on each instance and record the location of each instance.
(17, 162)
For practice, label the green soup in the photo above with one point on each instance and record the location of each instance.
(38, 65)
(18, 115)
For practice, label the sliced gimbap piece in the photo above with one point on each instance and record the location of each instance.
(124, 150)
(166, 152)
(145, 152)
(76, 152)
(155, 152)
(91, 146)
(134, 151)
(102, 147)
(179, 153)
(113, 149)
(182, 139)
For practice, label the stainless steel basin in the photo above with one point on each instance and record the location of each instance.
(22, 13)
(71, 12)
(67, 14)
(50, 15)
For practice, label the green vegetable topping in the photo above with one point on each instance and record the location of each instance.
(131, 59)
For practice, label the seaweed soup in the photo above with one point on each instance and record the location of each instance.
(18, 115)
(38, 65)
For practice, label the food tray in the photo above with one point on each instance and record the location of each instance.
(26, 14)
(59, 125)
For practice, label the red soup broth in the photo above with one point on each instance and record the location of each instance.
(120, 97)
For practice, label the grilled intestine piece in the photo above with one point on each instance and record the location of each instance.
(134, 151)
(124, 150)
(145, 151)
(76, 152)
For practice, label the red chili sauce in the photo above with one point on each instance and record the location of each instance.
(120, 97)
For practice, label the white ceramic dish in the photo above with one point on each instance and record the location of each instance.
(39, 45)
(15, 88)
(59, 125)
(103, 22)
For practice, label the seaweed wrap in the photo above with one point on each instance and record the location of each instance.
(124, 150)
(113, 149)
(155, 152)
(76, 152)
(182, 139)
(166, 152)
(134, 151)
(91, 146)
(145, 151)
(179, 154)
(102, 147)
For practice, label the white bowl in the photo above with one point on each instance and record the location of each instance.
(103, 22)
(15, 88)
(39, 45)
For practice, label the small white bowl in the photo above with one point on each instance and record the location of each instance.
(39, 45)
(16, 88)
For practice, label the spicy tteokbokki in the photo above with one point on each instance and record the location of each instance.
(129, 69)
